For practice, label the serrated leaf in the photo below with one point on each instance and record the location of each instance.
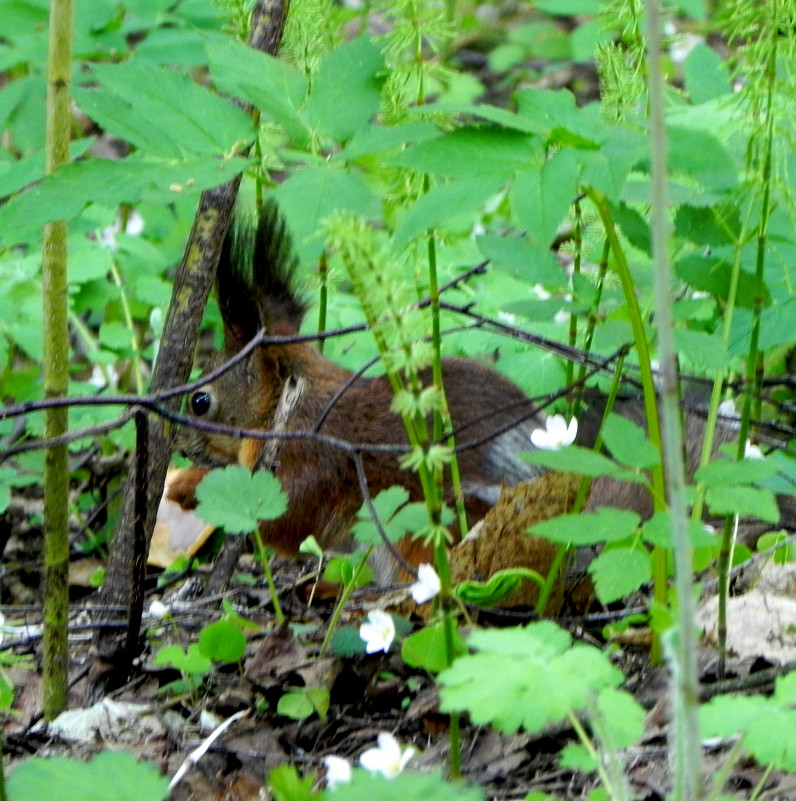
(628, 443)
(543, 678)
(540, 198)
(726, 472)
(287, 785)
(473, 150)
(657, 531)
(743, 501)
(445, 202)
(155, 109)
(346, 91)
(426, 648)
(606, 524)
(622, 717)
(222, 641)
(235, 499)
(411, 784)
(575, 459)
(525, 260)
(619, 571)
(109, 776)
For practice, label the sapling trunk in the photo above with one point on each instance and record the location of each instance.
(56, 372)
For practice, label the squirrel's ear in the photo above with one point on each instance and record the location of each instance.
(236, 299)
(255, 280)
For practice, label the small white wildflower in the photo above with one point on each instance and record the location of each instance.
(427, 585)
(388, 759)
(378, 631)
(338, 771)
(556, 434)
(159, 610)
(727, 408)
(752, 451)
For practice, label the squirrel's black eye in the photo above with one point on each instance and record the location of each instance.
(201, 402)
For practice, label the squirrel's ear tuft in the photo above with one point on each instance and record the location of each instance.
(255, 280)
(274, 267)
(236, 297)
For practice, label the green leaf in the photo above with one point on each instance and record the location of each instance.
(155, 109)
(708, 225)
(235, 499)
(65, 194)
(622, 718)
(496, 588)
(714, 275)
(725, 472)
(743, 501)
(426, 648)
(784, 554)
(269, 84)
(705, 74)
(525, 260)
(583, 461)
(396, 515)
(619, 571)
(543, 677)
(346, 91)
(767, 725)
(628, 443)
(446, 202)
(702, 157)
(607, 524)
(191, 662)
(411, 784)
(222, 641)
(541, 198)
(700, 351)
(564, 122)
(346, 642)
(295, 706)
(287, 785)
(377, 139)
(310, 195)
(657, 531)
(320, 700)
(472, 151)
(109, 776)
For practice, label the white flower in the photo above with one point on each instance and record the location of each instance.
(427, 585)
(556, 434)
(159, 610)
(338, 771)
(378, 631)
(752, 451)
(388, 759)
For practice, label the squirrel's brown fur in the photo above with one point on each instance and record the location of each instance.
(255, 291)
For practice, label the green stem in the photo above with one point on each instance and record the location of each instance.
(686, 745)
(264, 557)
(659, 568)
(752, 372)
(340, 605)
(56, 372)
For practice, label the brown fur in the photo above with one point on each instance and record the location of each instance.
(321, 480)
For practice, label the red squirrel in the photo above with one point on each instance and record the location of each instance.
(255, 290)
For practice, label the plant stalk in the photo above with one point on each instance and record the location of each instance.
(56, 372)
